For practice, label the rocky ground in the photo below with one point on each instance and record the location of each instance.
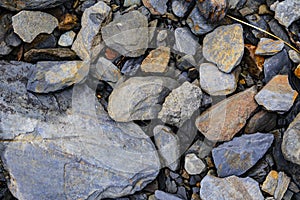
(149, 100)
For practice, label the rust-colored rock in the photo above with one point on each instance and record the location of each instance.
(297, 71)
(223, 120)
(68, 22)
(110, 54)
(156, 7)
(213, 10)
(157, 61)
(254, 62)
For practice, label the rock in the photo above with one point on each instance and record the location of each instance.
(270, 183)
(156, 7)
(239, 155)
(269, 47)
(180, 104)
(290, 145)
(282, 186)
(277, 95)
(168, 146)
(49, 54)
(161, 195)
(82, 146)
(262, 121)
(67, 39)
(5, 23)
(56, 75)
(30, 4)
(297, 71)
(213, 10)
(294, 56)
(230, 188)
(259, 22)
(91, 22)
(185, 41)
(277, 64)
(29, 24)
(224, 119)
(193, 165)
(128, 3)
(215, 82)
(180, 8)
(42, 41)
(69, 21)
(286, 12)
(198, 24)
(260, 170)
(279, 31)
(255, 63)
(128, 34)
(105, 70)
(157, 60)
(12, 39)
(131, 66)
(139, 98)
(224, 47)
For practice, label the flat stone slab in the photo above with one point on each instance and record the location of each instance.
(30, 4)
(268, 47)
(239, 155)
(224, 47)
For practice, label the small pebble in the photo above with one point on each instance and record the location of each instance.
(66, 39)
(193, 165)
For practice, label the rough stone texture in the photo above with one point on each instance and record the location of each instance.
(157, 60)
(223, 120)
(49, 54)
(269, 47)
(127, 34)
(105, 70)
(180, 7)
(139, 98)
(297, 71)
(168, 146)
(30, 4)
(128, 3)
(239, 155)
(230, 188)
(277, 95)
(294, 56)
(286, 12)
(198, 24)
(61, 153)
(262, 121)
(156, 7)
(270, 183)
(291, 142)
(180, 104)
(215, 82)
(56, 75)
(67, 39)
(193, 165)
(29, 24)
(282, 186)
(5, 24)
(213, 10)
(91, 22)
(161, 195)
(224, 46)
(185, 41)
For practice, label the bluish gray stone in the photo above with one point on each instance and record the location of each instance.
(185, 41)
(237, 156)
(161, 195)
(269, 47)
(128, 3)
(30, 4)
(286, 12)
(180, 7)
(67, 39)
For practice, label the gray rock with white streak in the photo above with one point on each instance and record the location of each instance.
(185, 41)
(193, 165)
(286, 12)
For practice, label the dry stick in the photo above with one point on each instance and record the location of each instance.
(238, 20)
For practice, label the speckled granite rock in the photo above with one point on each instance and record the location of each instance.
(269, 47)
(286, 12)
(30, 4)
(290, 144)
(157, 60)
(127, 34)
(230, 188)
(224, 47)
(224, 119)
(277, 95)
(180, 104)
(139, 98)
(239, 155)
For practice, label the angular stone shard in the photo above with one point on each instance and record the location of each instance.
(269, 47)
(139, 98)
(270, 183)
(239, 155)
(223, 120)
(193, 165)
(30, 4)
(230, 188)
(29, 24)
(286, 12)
(282, 185)
(127, 34)
(277, 95)
(105, 70)
(224, 47)
(157, 60)
(56, 75)
(180, 7)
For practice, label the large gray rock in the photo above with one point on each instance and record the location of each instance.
(91, 22)
(185, 41)
(237, 156)
(286, 12)
(29, 24)
(127, 34)
(230, 188)
(290, 144)
(30, 4)
(56, 75)
(139, 98)
(180, 104)
(77, 154)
